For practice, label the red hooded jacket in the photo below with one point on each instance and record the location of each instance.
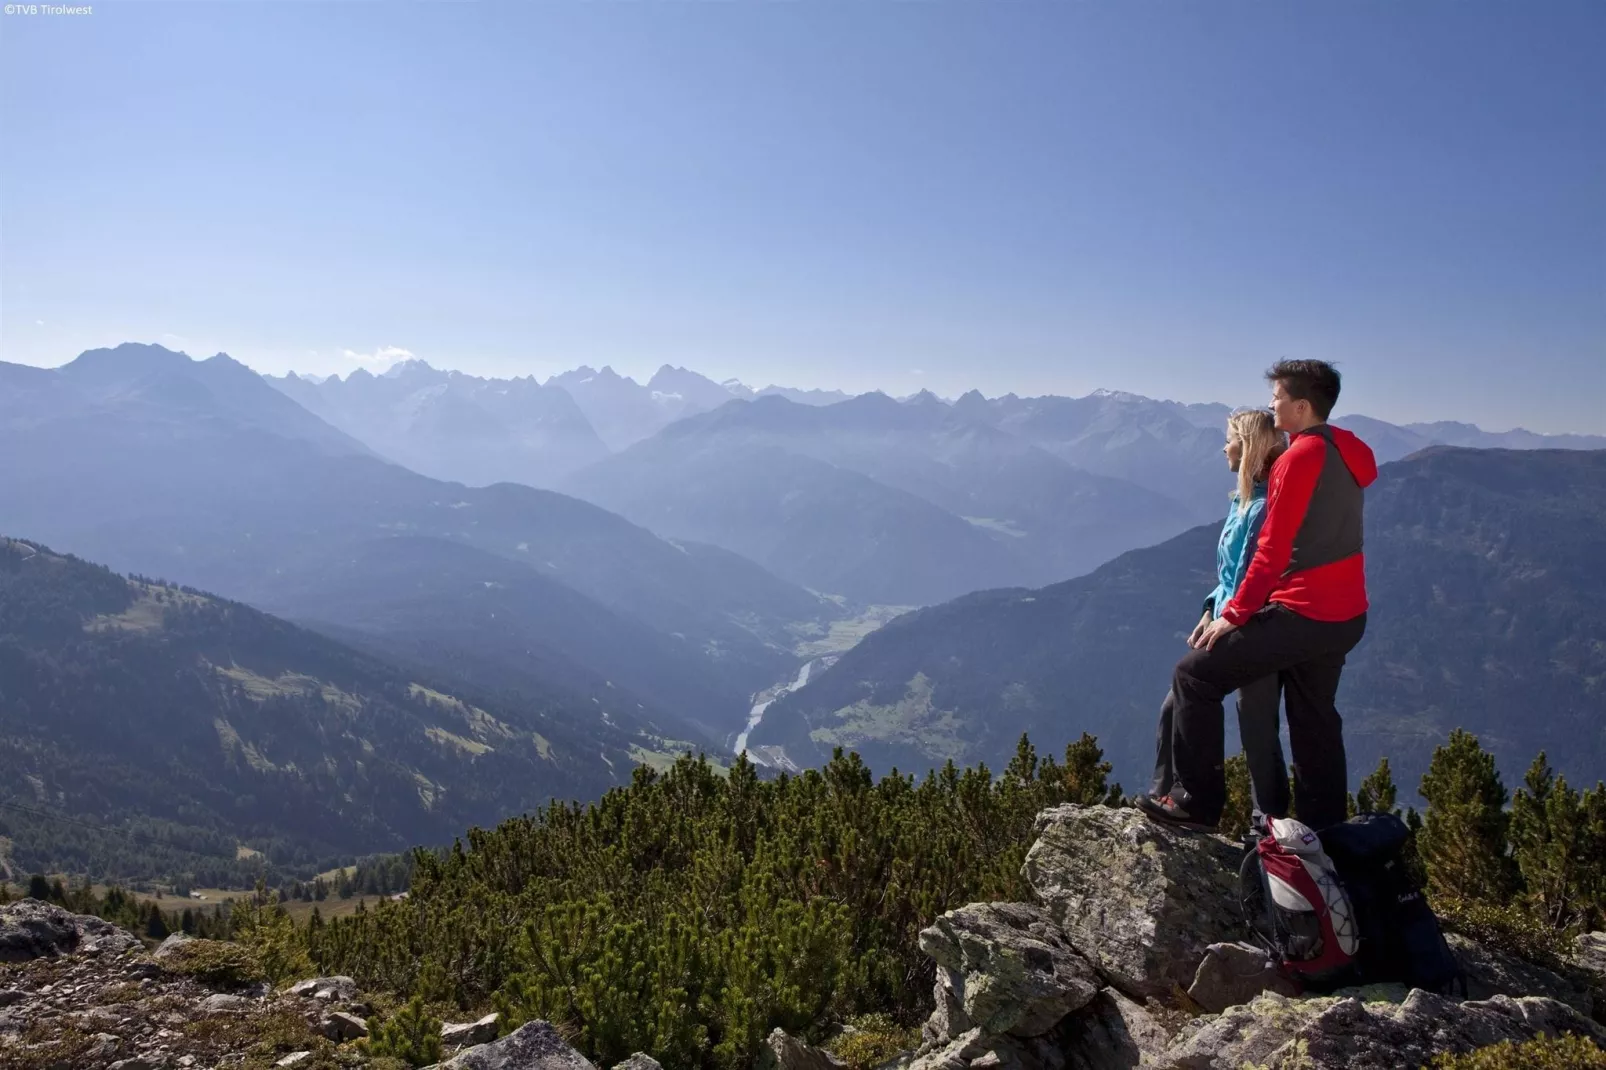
(1309, 554)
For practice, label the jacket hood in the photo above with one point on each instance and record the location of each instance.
(1357, 455)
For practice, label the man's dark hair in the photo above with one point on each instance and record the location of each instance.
(1315, 381)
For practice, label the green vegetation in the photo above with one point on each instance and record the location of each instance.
(411, 1035)
(216, 962)
(1569, 1052)
(691, 913)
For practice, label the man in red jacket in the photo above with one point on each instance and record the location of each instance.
(1299, 610)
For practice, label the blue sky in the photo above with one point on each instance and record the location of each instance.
(1032, 197)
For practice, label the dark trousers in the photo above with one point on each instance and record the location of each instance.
(1259, 710)
(1307, 656)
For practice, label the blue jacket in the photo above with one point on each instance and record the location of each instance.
(1236, 548)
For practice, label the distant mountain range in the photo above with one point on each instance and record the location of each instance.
(1489, 608)
(210, 724)
(232, 495)
(875, 499)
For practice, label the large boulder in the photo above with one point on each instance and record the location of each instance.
(30, 929)
(1009, 967)
(1236, 973)
(1142, 900)
(1589, 954)
(782, 1051)
(1113, 1033)
(1495, 973)
(533, 1046)
(463, 1034)
(1346, 1033)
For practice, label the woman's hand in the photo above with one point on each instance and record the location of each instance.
(1199, 630)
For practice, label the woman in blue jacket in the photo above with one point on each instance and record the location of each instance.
(1253, 443)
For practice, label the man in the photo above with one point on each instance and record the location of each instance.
(1300, 609)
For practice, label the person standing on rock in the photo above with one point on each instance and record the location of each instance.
(1253, 445)
(1299, 611)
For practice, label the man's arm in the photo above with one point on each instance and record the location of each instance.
(1293, 481)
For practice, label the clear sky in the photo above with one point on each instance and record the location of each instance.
(1033, 197)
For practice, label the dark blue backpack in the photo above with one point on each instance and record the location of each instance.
(1400, 936)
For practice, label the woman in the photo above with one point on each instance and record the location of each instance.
(1253, 443)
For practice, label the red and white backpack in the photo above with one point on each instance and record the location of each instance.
(1297, 908)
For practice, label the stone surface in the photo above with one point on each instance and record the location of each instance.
(340, 1027)
(1235, 973)
(1113, 1033)
(295, 1058)
(955, 1054)
(171, 945)
(1589, 954)
(30, 929)
(533, 1046)
(638, 1061)
(1345, 1033)
(949, 1019)
(483, 1031)
(1016, 971)
(1143, 901)
(1495, 973)
(337, 989)
(223, 1003)
(782, 1051)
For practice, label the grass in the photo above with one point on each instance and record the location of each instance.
(815, 641)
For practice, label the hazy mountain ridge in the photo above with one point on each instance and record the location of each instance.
(124, 698)
(217, 502)
(1486, 592)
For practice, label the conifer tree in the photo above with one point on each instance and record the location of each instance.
(1463, 838)
(1377, 793)
(1557, 847)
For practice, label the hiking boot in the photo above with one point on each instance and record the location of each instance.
(1167, 811)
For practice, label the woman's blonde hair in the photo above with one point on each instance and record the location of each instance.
(1263, 444)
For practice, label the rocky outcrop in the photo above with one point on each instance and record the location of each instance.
(1141, 901)
(782, 1051)
(1008, 968)
(1235, 973)
(1495, 973)
(1589, 954)
(30, 929)
(465, 1034)
(1136, 927)
(639, 1061)
(1347, 1033)
(533, 1046)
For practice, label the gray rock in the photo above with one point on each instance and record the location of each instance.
(1017, 973)
(533, 1046)
(956, 1054)
(1230, 974)
(170, 946)
(949, 1019)
(1345, 1033)
(782, 1051)
(1495, 973)
(30, 929)
(295, 1058)
(8, 996)
(1589, 953)
(465, 1033)
(141, 970)
(638, 1061)
(340, 1027)
(337, 989)
(1143, 901)
(1112, 1033)
(223, 1003)
(136, 1063)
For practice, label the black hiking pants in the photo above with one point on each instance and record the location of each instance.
(1307, 657)
(1259, 710)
